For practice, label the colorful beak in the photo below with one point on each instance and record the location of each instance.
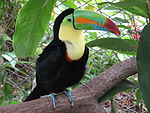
(89, 20)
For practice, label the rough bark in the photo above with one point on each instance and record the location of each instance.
(85, 97)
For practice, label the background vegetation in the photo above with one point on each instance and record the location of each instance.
(18, 56)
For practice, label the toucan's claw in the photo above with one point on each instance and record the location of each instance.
(54, 100)
(69, 95)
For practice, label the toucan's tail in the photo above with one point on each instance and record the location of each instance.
(35, 94)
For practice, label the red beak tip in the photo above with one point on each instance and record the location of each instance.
(118, 33)
(112, 27)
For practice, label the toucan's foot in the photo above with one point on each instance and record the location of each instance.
(69, 95)
(54, 100)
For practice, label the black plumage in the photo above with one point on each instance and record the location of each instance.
(54, 73)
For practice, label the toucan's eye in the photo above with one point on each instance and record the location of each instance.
(69, 20)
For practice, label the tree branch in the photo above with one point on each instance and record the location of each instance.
(85, 97)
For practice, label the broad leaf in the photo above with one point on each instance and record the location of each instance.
(122, 86)
(31, 23)
(126, 46)
(136, 7)
(143, 64)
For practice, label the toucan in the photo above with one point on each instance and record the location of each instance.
(62, 62)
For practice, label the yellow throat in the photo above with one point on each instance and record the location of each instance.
(73, 40)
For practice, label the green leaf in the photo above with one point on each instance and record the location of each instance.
(8, 93)
(90, 7)
(113, 107)
(14, 102)
(143, 64)
(111, 7)
(7, 89)
(138, 95)
(70, 4)
(126, 46)
(31, 24)
(11, 57)
(121, 20)
(7, 98)
(1, 2)
(2, 44)
(122, 86)
(6, 37)
(136, 7)
(2, 74)
(2, 100)
(125, 27)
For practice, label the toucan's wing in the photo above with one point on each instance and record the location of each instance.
(49, 61)
(47, 66)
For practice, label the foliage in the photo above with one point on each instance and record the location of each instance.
(8, 60)
(7, 96)
(143, 63)
(136, 7)
(31, 25)
(127, 46)
(113, 107)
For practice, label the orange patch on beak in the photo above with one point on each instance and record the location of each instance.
(82, 20)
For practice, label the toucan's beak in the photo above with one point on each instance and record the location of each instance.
(89, 20)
